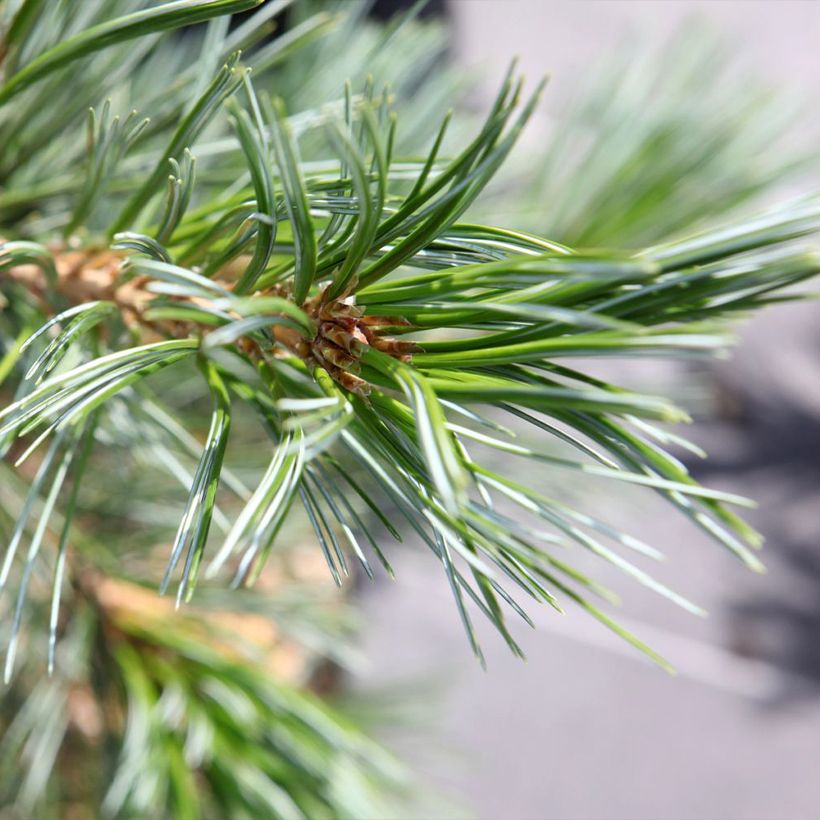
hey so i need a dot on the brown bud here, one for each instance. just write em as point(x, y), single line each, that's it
point(394, 347)
point(302, 349)
point(339, 310)
point(385, 321)
point(353, 383)
point(346, 339)
point(333, 354)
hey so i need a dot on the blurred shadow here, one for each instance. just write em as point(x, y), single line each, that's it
point(780, 446)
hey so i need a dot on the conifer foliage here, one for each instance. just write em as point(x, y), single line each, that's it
point(328, 296)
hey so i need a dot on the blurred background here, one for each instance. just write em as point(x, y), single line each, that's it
point(587, 728)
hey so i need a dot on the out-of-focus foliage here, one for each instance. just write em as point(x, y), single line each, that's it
point(201, 713)
point(656, 140)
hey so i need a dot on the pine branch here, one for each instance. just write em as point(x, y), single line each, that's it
point(323, 343)
point(329, 300)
